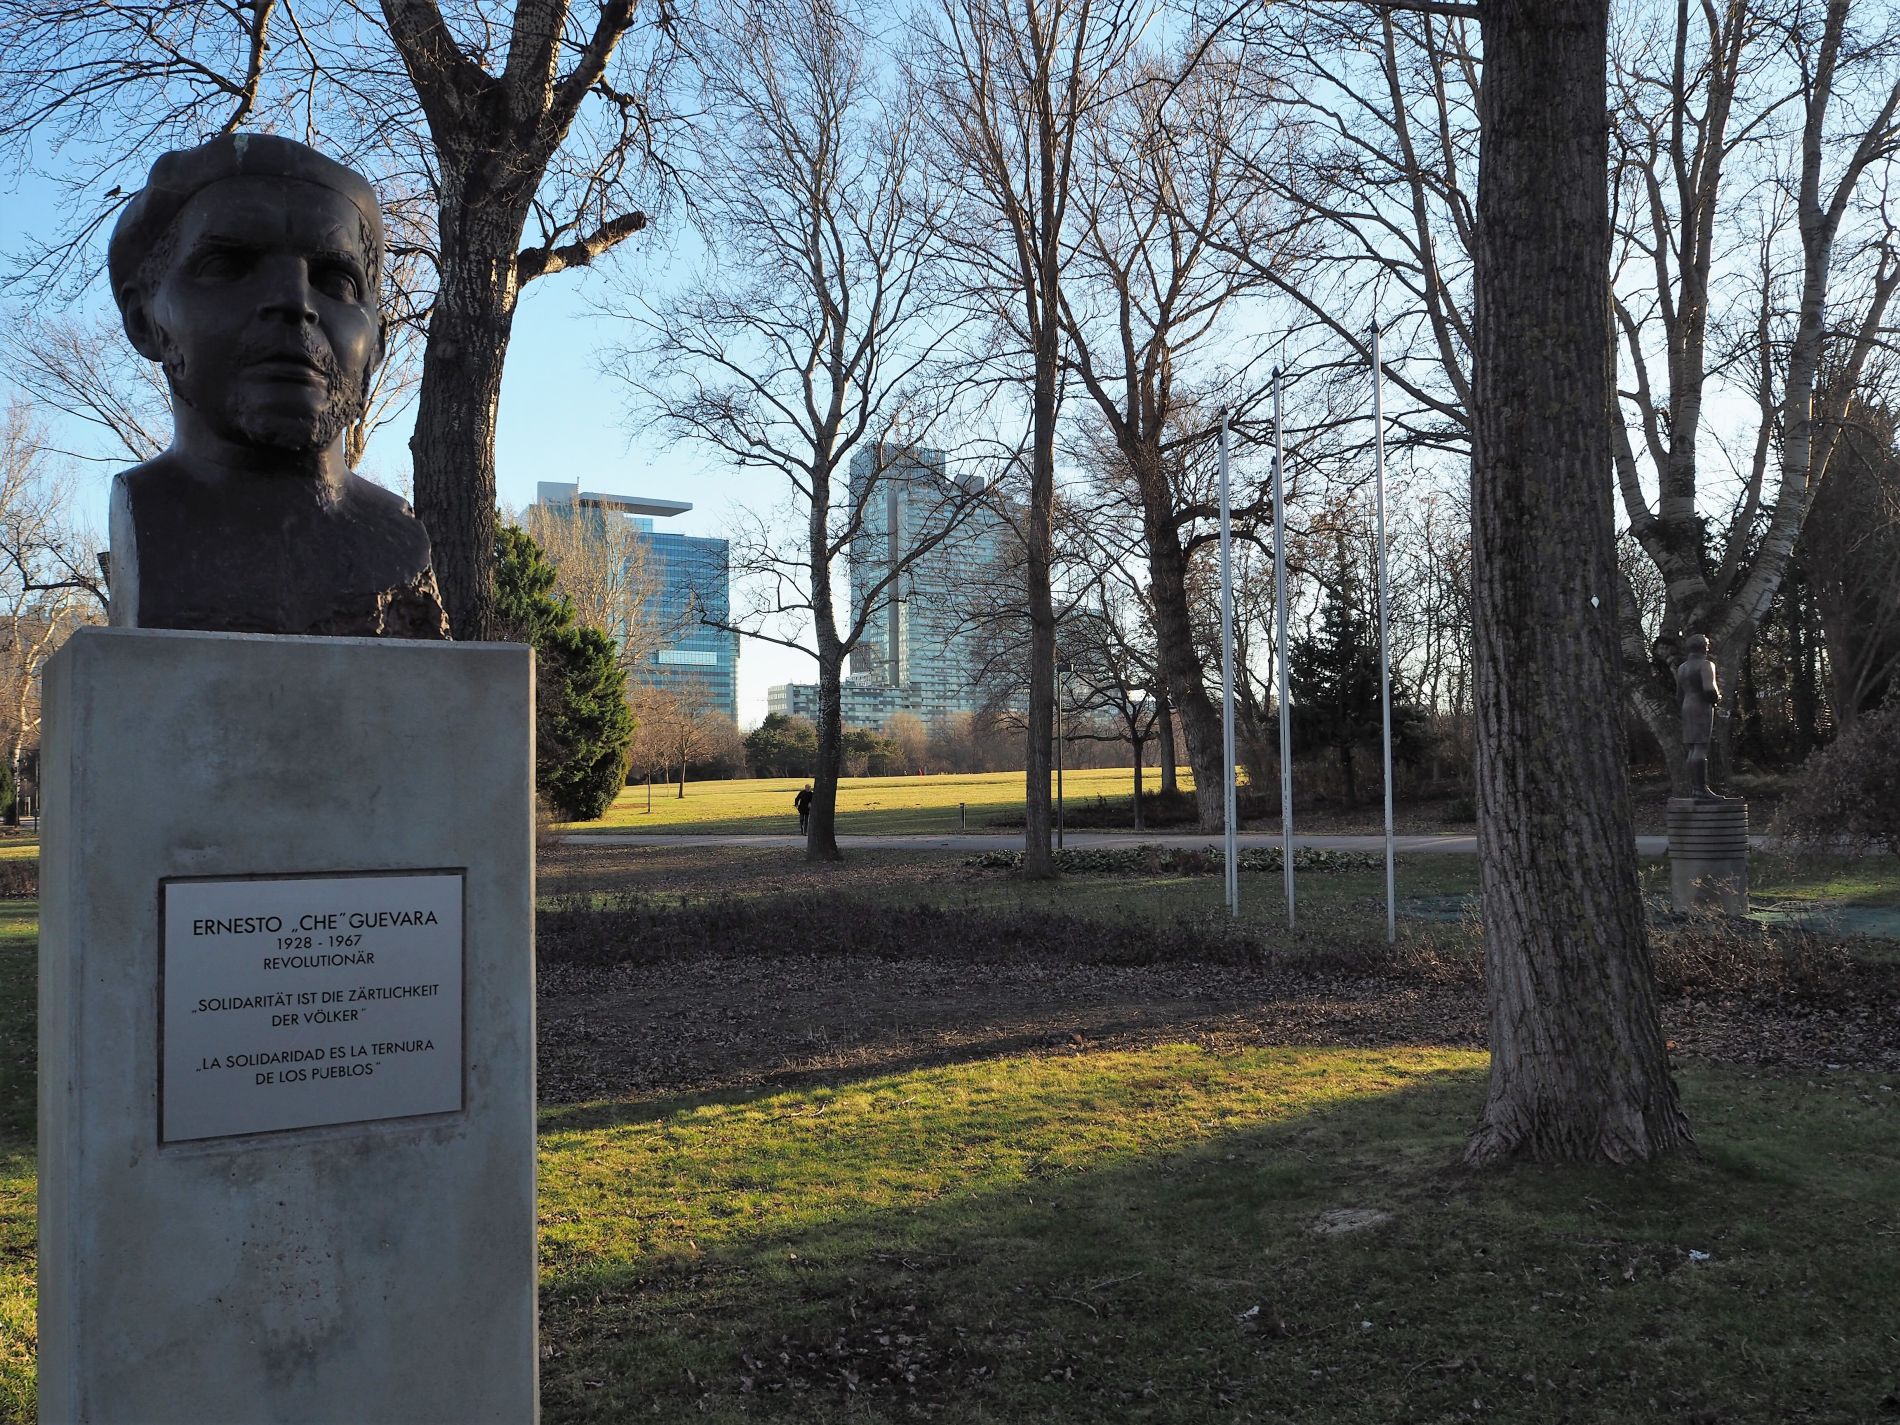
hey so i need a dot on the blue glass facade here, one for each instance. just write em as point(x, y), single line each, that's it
point(694, 576)
point(920, 638)
point(693, 579)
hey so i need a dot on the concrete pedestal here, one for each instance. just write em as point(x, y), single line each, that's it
point(286, 1032)
point(1708, 855)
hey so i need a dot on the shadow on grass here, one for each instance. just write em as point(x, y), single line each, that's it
point(806, 1034)
point(838, 1256)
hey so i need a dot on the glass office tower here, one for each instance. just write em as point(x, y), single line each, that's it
point(693, 575)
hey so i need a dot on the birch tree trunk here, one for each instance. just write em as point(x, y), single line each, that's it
point(1578, 1069)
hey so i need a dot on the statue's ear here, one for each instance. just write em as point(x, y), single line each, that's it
point(136, 314)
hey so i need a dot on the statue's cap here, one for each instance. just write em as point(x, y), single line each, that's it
point(178, 175)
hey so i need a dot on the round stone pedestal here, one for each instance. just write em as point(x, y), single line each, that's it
point(1708, 855)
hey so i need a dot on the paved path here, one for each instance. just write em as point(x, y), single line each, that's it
point(1432, 843)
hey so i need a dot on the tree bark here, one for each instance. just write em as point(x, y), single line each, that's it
point(1186, 680)
point(821, 832)
point(494, 136)
point(1164, 745)
point(453, 446)
point(1578, 1069)
point(1137, 743)
point(1038, 822)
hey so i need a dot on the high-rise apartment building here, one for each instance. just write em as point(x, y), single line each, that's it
point(862, 701)
point(693, 578)
point(921, 638)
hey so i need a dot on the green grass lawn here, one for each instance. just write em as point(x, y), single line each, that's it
point(19, 927)
point(1137, 1236)
point(867, 806)
point(1151, 1235)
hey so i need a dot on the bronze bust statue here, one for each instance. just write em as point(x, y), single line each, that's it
point(248, 268)
point(1701, 695)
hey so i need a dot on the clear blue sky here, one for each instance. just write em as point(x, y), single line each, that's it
point(562, 418)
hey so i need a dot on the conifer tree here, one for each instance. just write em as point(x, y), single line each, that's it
point(583, 727)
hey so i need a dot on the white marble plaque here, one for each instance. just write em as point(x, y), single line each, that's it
point(309, 1000)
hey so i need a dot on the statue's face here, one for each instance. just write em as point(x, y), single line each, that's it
point(264, 316)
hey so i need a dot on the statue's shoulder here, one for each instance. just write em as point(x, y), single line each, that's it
point(162, 474)
point(387, 518)
point(376, 501)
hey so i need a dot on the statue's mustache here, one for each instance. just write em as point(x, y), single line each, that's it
point(305, 346)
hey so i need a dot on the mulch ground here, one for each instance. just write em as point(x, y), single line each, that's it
point(705, 1025)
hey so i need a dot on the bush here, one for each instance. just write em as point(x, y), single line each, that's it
point(782, 746)
point(583, 728)
point(1848, 797)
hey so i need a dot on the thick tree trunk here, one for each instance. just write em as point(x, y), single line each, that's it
point(453, 446)
point(821, 833)
point(1038, 820)
point(1578, 1069)
point(1181, 668)
point(1164, 744)
point(1137, 743)
point(821, 826)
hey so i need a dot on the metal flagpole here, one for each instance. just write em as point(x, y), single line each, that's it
point(1279, 607)
point(1232, 844)
point(1385, 667)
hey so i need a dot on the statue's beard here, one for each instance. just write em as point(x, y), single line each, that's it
point(233, 413)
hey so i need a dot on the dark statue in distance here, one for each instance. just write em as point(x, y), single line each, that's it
point(1701, 694)
point(248, 267)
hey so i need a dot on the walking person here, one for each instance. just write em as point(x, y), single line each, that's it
point(803, 802)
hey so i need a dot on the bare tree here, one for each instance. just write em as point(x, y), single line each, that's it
point(649, 751)
point(1379, 105)
point(1011, 83)
point(1850, 556)
point(478, 122)
point(1750, 255)
point(1114, 667)
point(798, 348)
point(1148, 298)
point(601, 564)
point(1750, 262)
point(911, 740)
point(49, 584)
point(684, 727)
point(1578, 1070)
point(86, 369)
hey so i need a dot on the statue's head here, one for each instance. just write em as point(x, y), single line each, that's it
point(1697, 644)
point(249, 268)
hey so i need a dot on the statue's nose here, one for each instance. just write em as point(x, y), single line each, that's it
point(287, 294)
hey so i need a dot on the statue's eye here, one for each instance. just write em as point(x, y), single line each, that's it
point(218, 265)
point(333, 279)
